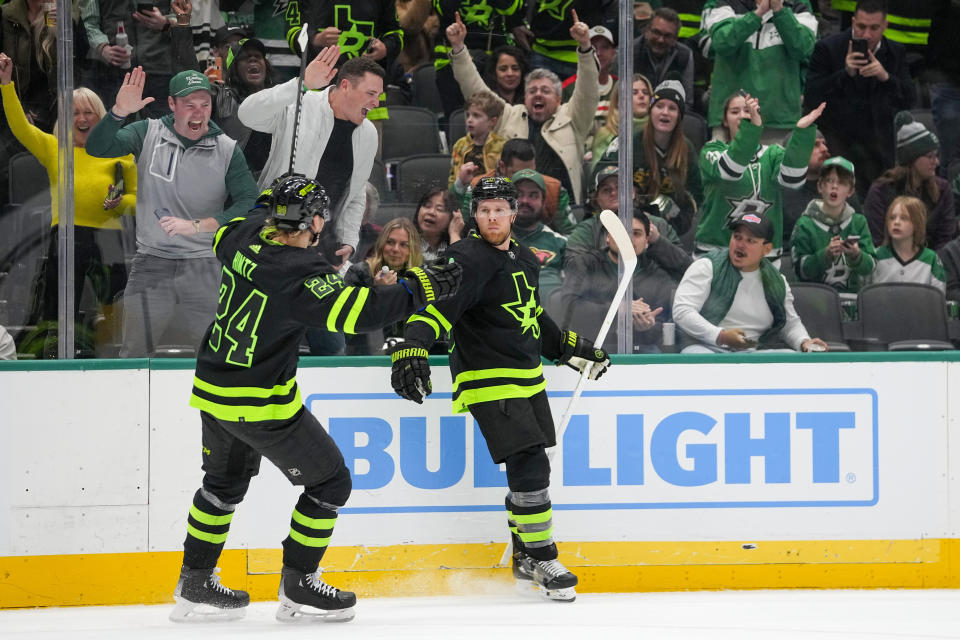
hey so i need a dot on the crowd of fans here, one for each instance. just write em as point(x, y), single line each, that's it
point(774, 142)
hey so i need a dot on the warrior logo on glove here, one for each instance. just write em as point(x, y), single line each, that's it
point(411, 371)
point(580, 353)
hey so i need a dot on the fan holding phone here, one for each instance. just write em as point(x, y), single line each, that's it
point(831, 242)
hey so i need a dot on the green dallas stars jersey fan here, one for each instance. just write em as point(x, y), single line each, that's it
point(269, 294)
point(744, 176)
point(498, 328)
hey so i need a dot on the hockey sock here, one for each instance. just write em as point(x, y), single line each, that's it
point(310, 529)
point(512, 524)
point(207, 526)
point(533, 515)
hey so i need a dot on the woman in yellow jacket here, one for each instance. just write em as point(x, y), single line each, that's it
point(98, 202)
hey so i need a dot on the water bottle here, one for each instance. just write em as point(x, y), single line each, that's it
point(122, 40)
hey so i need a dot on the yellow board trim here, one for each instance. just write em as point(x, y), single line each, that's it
point(603, 567)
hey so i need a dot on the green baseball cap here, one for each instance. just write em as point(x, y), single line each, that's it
point(839, 162)
point(532, 176)
point(186, 82)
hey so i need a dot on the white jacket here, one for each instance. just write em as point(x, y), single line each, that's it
point(272, 111)
point(565, 131)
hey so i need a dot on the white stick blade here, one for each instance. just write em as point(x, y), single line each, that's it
point(303, 38)
point(611, 222)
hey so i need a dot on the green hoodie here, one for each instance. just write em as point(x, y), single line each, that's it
point(813, 233)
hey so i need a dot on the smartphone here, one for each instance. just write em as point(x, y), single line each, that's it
point(145, 7)
point(859, 46)
point(851, 240)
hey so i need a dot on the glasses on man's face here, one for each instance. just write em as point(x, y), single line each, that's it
point(832, 182)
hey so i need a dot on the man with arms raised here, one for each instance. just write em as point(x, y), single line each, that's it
point(186, 169)
point(336, 143)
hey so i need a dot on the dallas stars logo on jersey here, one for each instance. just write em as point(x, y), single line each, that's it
point(743, 206)
point(353, 33)
point(555, 8)
point(524, 309)
point(478, 13)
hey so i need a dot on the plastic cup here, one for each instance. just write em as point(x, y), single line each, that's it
point(669, 334)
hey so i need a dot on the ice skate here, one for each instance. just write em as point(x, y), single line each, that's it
point(305, 597)
point(549, 577)
point(201, 598)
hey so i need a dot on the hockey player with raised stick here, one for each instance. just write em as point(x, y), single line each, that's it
point(272, 289)
point(499, 332)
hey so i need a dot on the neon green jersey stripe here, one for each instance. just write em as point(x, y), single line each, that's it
point(432, 310)
point(909, 22)
point(351, 324)
point(472, 396)
point(308, 541)
point(206, 518)
point(537, 536)
point(533, 518)
point(486, 374)
point(216, 237)
point(212, 538)
point(557, 54)
point(907, 37)
point(313, 523)
point(429, 321)
point(234, 413)
point(337, 307)
point(245, 392)
point(555, 43)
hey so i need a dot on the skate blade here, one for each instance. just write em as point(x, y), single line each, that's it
point(569, 594)
point(529, 588)
point(302, 614)
point(186, 611)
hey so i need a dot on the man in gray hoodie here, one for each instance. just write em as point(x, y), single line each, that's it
point(186, 169)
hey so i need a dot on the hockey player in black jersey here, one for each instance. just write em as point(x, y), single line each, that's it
point(245, 387)
point(499, 331)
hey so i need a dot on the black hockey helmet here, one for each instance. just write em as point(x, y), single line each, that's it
point(496, 188)
point(293, 199)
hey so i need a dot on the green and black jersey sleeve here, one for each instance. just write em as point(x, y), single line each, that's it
point(269, 294)
point(497, 324)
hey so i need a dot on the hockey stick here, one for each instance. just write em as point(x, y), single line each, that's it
point(302, 39)
point(622, 239)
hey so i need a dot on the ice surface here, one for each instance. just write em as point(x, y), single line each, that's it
point(744, 615)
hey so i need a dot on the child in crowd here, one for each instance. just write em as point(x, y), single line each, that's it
point(903, 256)
point(478, 152)
point(831, 242)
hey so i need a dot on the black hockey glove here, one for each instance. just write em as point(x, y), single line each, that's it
point(411, 371)
point(580, 353)
point(430, 283)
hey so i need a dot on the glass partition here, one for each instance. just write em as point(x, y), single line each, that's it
point(150, 187)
